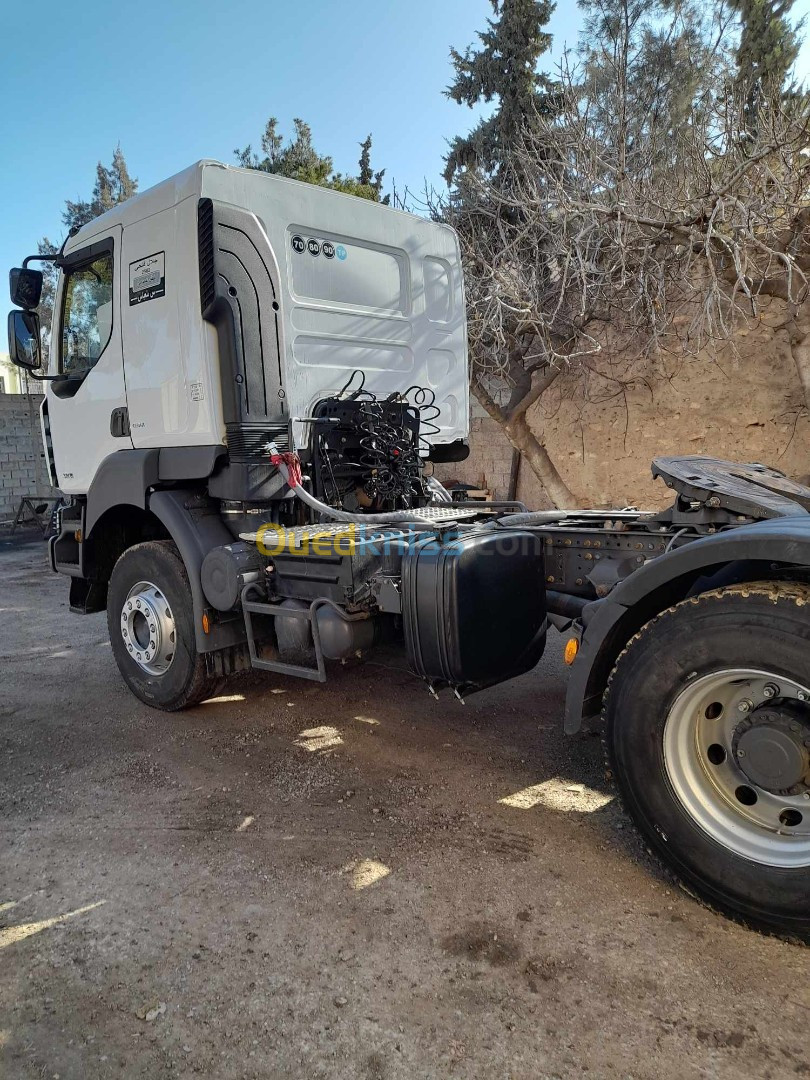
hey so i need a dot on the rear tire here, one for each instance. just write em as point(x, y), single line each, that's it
point(150, 619)
point(708, 737)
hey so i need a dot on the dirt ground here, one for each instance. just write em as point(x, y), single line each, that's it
point(298, 880)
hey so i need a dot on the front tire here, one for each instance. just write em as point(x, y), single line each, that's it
point(708, 737)
point(151, 624)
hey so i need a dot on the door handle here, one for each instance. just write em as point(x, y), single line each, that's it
point(119, 423)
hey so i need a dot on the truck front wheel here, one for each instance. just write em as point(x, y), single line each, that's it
point(151, 624)
point(708, 735)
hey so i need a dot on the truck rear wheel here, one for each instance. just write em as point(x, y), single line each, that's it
point(151, 624)
point(708, 736)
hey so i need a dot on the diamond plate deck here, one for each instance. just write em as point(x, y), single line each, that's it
point(428, 515)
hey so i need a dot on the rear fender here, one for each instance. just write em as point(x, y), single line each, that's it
point(747, 553)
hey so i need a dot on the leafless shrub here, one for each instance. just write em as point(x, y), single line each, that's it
point(604, 223)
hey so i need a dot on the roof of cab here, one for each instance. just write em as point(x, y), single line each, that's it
point(189, 183)
point(145, 203)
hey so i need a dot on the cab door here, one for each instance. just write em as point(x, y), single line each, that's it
point(87, 404)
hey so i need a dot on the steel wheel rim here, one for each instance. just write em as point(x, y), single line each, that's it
point(148, 629)
point(773, 830)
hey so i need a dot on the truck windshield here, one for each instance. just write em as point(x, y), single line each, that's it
point(86, 315)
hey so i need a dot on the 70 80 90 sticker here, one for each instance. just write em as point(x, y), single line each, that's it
point(317, 247)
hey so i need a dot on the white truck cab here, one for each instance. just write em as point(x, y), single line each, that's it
point(319, 283)
point(211, 336)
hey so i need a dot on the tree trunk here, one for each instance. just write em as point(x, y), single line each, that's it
point(516, 428)
point(800, 347)
point(523, 438)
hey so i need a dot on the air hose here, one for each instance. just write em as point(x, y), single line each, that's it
point(289, 465)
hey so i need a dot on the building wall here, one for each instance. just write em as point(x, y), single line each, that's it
point(11, 378)
point(23, 470)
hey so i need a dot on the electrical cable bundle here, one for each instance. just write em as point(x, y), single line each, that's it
point(372, 447)
point(389, 456)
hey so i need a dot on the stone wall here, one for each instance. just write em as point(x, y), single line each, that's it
point(23, 470)
point(743, 404)
point(490, 462)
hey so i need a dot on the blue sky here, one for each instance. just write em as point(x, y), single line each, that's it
point(175, 81)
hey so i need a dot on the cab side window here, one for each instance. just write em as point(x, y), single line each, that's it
point(86, 315)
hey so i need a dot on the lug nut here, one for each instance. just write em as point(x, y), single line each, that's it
point(745, 706)
point(803, 695)
point(770, 691)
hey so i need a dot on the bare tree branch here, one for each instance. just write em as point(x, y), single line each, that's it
point(639, 213)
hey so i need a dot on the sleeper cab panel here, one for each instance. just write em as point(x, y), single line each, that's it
point(474, 607)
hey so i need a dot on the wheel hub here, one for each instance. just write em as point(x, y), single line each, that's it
point(147, 628)
point(737, 754)
point(772, 748)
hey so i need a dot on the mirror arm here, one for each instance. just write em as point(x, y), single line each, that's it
point(55, 258)
point(40, 258)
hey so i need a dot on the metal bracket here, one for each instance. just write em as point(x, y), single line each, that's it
point(28, 505)
point(301, 671)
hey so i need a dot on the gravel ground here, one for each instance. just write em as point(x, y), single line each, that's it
point(350, 880)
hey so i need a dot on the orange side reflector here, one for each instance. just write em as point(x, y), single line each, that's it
point(571, 650)
point(206, 623)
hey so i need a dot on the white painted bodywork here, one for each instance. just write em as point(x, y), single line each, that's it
point(390, 302)
point(80, 426)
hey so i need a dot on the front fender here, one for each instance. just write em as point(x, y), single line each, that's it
point(667, 580)
point(194, 524)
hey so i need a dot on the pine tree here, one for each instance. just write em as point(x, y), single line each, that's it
point(299, 160)
point(503, 68)
point(367, 177)
point(766, 52)
point(485, 173)
point(645, 65)
point(113, 185)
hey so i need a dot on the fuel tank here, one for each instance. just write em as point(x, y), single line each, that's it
point(473, 607)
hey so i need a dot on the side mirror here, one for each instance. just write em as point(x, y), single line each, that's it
point(24, 345)
point(25, 286)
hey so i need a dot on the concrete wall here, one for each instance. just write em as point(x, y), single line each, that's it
point(22, 457)
point(743, 404)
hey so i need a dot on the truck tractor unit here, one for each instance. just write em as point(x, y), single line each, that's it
point(249, 382)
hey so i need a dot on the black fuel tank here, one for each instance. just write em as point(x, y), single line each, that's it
point(473, 607)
